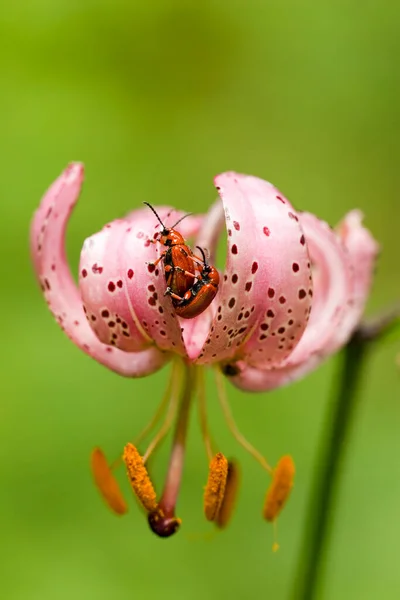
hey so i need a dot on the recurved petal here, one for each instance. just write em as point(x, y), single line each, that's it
point(362, 250)
point(342, 269)
point(123, 289)
point(266, 290)
point(253, 379)
point(62, 295)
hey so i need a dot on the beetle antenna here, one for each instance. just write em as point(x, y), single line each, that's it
point(203, 255)
point(181, 219)
point(154, 211)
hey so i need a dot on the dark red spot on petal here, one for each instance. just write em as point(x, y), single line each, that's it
point(119, 283)
point(231, 302)
point(234, 249)
point(281, 330)
point(96, 269)
point(111, 324)
point(302, 294)
point(84, 273)
point(293, 216)
point(150, 268)
point(130, 273)
point(295, 267)
point(236, 225)
point(282, 299)
point(302, 240)
point(111, 286)
point(271, 292)
point(234, 278)
point(254, 267)
point(264, 326)
point(266, 231)
point(151, 301)
point(151, 288)
point(248, 286)
point(270, 313)
point(105, 314)
point(281, 199)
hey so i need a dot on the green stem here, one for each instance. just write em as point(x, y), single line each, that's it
point(332, 453)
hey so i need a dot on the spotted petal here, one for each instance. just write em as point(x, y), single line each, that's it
point(129, 290)
point(62, 295)
point(266, 292)
point(343, 265)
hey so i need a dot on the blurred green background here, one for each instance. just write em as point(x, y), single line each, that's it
point(155, 98)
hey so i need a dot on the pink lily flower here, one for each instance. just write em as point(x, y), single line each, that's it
point(292, 293)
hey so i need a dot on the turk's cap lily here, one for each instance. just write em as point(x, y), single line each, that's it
point(292, 292)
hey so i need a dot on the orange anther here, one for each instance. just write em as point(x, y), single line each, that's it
point(230, 496)
point(215, 489)
point(279, 490)
point(106, 482)
point(139, 478)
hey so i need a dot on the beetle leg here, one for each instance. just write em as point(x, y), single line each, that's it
point(184, 272)
point(169, 292)
point(158, 260)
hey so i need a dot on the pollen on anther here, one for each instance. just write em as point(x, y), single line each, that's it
point(106, 483)
point(280, 488)
point(215, 489)
point(139, 478)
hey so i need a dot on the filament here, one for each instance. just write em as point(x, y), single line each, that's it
point(175, 384)
point(223, 400)
point(203, 413)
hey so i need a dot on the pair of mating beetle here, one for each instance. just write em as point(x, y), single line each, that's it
point(191, 292)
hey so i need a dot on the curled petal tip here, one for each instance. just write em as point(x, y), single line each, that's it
point(74, 171)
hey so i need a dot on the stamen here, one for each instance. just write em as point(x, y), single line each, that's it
point(203, 413)
point(106, 483)
point(223, 400)
point(279, 490)
point(174, 388)
point(214, 492)
point(229, 500)
point(139, 478)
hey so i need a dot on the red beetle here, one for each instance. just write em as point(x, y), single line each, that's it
point(179, 262)
point(200, 295)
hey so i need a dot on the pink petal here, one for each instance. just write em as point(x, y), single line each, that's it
point(129, 290)
point(332, 277)
point(252, 379)
point(48, 254)
point(343, 268)
point(267, 287)
point(362, 250)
